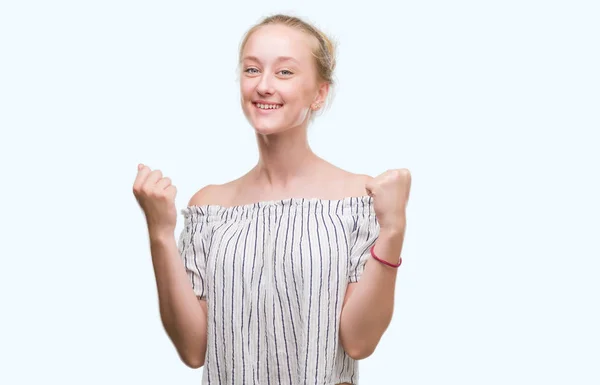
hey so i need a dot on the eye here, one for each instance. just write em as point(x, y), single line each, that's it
point(251, 70)
point(286, 72)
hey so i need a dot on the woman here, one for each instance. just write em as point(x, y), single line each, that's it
point(269, 282)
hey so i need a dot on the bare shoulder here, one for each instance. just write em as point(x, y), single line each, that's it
point(202, 196)
point(351, 183)
point(212, 194)
point(359, 182)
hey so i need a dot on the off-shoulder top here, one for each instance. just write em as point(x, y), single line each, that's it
point(274, 275)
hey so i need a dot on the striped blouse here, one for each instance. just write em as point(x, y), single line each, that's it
point(274, 275)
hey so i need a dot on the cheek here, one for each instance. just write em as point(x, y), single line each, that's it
point(246, 89)
point(295, 93)
point(248, 85)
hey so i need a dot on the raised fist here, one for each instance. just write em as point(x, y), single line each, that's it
point(156, 196)
point(390, 192)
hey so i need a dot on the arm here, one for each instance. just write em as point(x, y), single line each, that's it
point(369, 303)
point(183, 315)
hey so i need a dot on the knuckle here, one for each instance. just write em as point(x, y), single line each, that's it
point(393, 174)
point(400, 173)
point(405, 173)
point(154, 193)
point(160, 194)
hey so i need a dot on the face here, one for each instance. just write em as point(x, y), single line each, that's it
point(279, 82)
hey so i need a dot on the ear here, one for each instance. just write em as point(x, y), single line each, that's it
point(322, 93)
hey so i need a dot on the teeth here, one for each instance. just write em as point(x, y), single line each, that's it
point(268, 106)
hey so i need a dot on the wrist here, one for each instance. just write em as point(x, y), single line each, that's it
point(160, 237)
point(391, 236)
point(391, 231)
point(388, 246)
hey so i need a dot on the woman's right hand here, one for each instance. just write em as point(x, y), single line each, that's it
point(156, 196)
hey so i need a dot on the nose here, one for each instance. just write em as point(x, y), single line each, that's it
point(265, 85)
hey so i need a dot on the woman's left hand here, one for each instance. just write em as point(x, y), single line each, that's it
point(390, 192)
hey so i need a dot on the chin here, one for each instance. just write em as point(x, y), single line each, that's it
point(267, 129)
point(267, 126)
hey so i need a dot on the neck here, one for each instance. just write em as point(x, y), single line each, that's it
point(284, 159)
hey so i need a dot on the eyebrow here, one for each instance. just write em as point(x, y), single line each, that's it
point(279, 59)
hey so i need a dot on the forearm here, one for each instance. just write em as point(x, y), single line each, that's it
point(368, 309)
point(182, 315)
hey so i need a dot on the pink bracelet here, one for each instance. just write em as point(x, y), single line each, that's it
point(385, 262)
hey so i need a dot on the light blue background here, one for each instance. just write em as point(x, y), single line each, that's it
point(492, 105)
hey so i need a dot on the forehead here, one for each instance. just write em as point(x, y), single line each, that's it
point(271, 41)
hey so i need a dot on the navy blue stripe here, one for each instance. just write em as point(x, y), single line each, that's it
point(258, 322)
point(215, 298)
point(214, 230)
point(319, 293)
point(224, 264)
point(252, 275)
point(337, 275)
point(200, 273)
point(328, 291)
point(184, 250)
point(344, 366)
point(287, 355)
point(286, 283)
point(194, 227)
point(265, 303)
point(271, 253)
point(258, 299)
point(309, 292)
point(243, 300)
point(292, 259)
point(202, 277)
point(233, 306)
point(347, 251)
point(300, 248)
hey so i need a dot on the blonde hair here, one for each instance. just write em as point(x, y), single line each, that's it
point(324, 54)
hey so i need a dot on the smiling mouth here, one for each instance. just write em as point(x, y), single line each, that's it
point(267, 107)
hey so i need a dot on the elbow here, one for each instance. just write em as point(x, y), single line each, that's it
point(191, 351)
point(360, 352)
point(192, 358)
point(358, 349)
point(193, 362)
point(360, 343)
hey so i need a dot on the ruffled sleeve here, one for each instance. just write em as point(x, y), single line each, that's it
point(364, 234)
point(193, 248)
